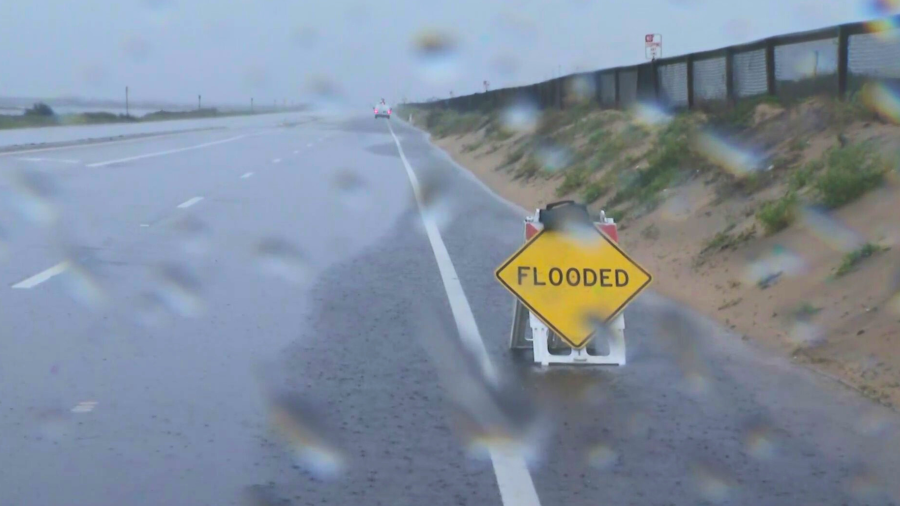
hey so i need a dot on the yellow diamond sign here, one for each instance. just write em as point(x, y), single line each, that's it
point(571, 281)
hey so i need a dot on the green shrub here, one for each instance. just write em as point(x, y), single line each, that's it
point(851, 172)
point(776, 215)
point(529, 168)
point(804, 175)
point(574, 179)
point(594, 191)
point(852, 259)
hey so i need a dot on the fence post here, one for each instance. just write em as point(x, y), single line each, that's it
point(729, 76)
point(843, 61)
point(655, 69)
point(559, 92)
point(618, 92)
point(690, 80)
point(770, 67)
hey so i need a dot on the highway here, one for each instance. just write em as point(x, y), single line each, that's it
point(164, 299)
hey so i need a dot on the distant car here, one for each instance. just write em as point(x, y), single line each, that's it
point(382, 111)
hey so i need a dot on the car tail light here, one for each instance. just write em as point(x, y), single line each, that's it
point(389, 111)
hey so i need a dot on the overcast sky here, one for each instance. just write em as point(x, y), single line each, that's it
point(230, 50)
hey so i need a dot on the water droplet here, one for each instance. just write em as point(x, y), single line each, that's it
point(521, 115)
point(435, 53)
point(179, 290)
point(768, 268)
point(325, 93)
point(303, 430)
point(739, 162)
point(581, 87)
point(489, 414)
point(281, 259)
point(713, 484)
point(602, 456)
point(32, 197)
point(553, 157)
point(830, 230)
point(436, 204)
point(53, 423)
point(648, 113)
point(193, 233)
point(150, 309)
point(351, 189)
point(875, 423)
point(82, 280)
point(759, 439)
point(864, 484)
point(259, 495)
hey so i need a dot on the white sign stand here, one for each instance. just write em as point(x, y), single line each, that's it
point(541, 336)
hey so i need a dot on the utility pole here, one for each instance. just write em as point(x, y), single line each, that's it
point(199, 102)
point(251, 104)
point(126, 101)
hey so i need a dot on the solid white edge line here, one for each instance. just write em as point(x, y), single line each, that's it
point(513, 479)
point(42, 276)
point(189, 202)
point(167, 152)
point(246, 175)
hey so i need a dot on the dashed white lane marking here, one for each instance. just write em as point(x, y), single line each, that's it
point(167, 152)
point(277, 160)
point(513, 478)
point(189, 202)
point(84, 407)
point(42, 276)
point(309, 145)
point(145, 225)
point(295, 152)
point(56, 160)
point(245, 176)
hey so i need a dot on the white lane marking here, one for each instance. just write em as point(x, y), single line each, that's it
point(277, 160)
point(84, 407)
point(295, 152)
point(309, 145)
point(245, 176)
point(513, 479)
point(42, 276)
point(57, 160)
point(167, 152)
point(145, 225)
point(189, 203)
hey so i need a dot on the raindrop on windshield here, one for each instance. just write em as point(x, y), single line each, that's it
point(304, 433)
point(179, 290)
point(521, 115)
point(33, 196)
point(712, 482)
point(81, 278)
point(351, 189)
point(193, 234)
point(435, 54)
point(281, 259)
point(553, 157)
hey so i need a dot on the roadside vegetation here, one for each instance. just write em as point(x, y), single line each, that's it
point(715, 199)
point(42, 115)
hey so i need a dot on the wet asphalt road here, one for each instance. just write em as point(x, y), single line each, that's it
point(164, 296)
